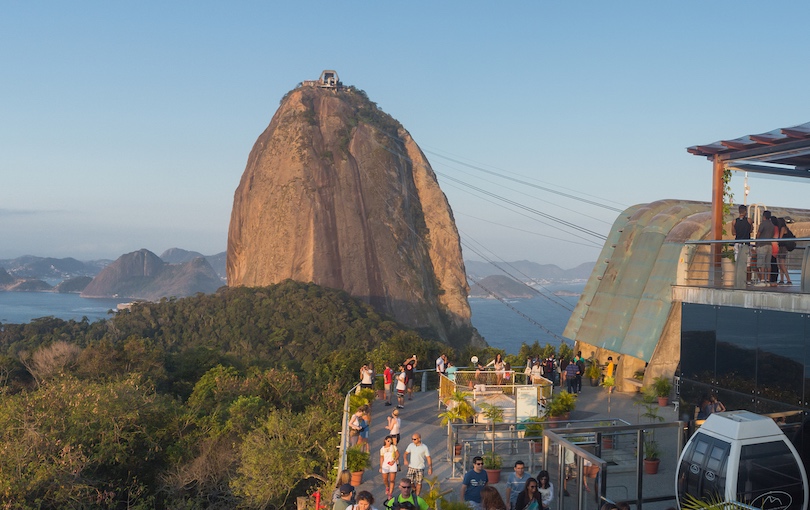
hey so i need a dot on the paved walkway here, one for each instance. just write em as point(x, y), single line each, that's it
point(594, 403)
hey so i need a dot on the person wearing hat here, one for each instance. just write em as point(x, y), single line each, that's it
point(346, 497)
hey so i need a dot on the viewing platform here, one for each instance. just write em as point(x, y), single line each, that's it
point(610, 418)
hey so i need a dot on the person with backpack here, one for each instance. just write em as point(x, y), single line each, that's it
point(406, 500)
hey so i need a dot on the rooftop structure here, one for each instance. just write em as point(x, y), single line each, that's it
point(329, 80)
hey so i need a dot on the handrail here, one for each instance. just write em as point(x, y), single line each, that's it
point(344, 429)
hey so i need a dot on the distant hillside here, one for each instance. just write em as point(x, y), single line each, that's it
point(144, 275)
point(530, 271)
point(502, 286)
point(179, 256)
point(73, 285)
point(29, 266)
point(28, 285)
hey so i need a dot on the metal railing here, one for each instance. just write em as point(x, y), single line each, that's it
point(737, 268)
point(557, 441)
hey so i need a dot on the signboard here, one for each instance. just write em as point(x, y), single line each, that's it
point(525, 402)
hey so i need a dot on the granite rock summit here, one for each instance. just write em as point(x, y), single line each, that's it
point(336, 192)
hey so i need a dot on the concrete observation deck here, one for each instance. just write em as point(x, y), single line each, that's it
point(594, 406)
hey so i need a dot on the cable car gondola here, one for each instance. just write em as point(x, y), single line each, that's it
point(744, 457)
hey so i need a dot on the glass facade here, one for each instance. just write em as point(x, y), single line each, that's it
point(752, 359)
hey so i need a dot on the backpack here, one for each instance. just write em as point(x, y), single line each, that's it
point(788, 245)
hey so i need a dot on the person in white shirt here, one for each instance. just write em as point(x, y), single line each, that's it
point(417, 457)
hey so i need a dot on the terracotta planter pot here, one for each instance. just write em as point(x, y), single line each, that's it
point(651, 466)
point(494, 475)
point(457, 450)
point(538, 447)
point(663, 401)
point(594, 382)
point(357, 478)
point(607, 442)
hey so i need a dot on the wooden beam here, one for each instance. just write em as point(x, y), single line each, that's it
point(717, 215)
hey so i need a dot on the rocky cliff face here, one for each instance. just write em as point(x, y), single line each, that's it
point(143, 275)
point(337, 192)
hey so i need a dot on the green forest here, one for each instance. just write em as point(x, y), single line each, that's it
point(226, 400)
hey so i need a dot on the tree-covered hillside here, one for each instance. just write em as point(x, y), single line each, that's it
point(186, 403)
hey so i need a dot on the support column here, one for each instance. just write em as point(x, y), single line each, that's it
point(717, 218)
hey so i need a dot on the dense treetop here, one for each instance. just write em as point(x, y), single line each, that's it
point(181, 403)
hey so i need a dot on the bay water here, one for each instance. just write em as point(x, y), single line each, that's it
point(498, 322)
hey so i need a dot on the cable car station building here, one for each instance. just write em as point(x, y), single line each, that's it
point(668, 298)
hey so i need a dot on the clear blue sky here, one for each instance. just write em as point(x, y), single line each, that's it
point(127, 125)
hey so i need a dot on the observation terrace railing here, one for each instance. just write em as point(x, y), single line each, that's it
point(737, 268)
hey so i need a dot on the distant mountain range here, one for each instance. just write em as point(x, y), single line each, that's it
point(529, 271)
point(486, 279)
point(178, 272)
point(140, 274)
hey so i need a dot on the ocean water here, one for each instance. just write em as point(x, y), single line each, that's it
point(504, 328)
point(500, 325)
point(22, 307)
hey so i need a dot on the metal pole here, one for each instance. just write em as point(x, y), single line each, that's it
point(639, 467)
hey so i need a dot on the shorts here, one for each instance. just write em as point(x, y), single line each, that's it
point(570, 471)
point(409, 384)
point(400, 393)
point(389, 469)
point(416, 475)
point(366, 386)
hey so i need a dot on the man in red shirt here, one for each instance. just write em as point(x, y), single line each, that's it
point(388, 379)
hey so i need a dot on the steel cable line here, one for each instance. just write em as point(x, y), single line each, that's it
point(555, 335)
point(560, 221)
point(526, 183)
point(527, 208)
point(591, 243)
point(588, 245)
point(603, 199)
point(535, 198)
point(516, 279)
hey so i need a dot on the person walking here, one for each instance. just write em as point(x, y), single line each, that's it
point(394, 425)
point(545, 489)
point(515, 484)
point(401, 387)
point(388, 381)
point(491, 499)
point(389, 455)
point(417, 458)
point(529, 498)
point(474, 480)
point(406, 495)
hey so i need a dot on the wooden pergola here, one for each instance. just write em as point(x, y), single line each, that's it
point(784, 151)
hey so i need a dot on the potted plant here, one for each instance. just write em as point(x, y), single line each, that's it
point(594, 372)
point(662, 388)
point(607, 438)
point(492, 465)
point(648, 402)
point(356, 462)
point(652, 454)
point(561, 405)
point(493, 414)
point(533, 429)
point(458, 409)
point(609, 382)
